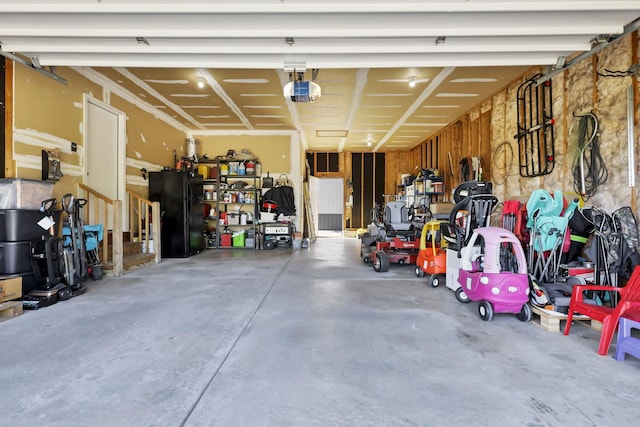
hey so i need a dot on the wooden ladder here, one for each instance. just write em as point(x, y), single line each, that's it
point(307, 212)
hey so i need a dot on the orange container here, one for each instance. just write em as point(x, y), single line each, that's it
point(225, 239)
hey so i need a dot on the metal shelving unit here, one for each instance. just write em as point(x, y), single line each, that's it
point(232, 197)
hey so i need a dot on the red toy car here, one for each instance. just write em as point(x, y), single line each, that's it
point(432, 260)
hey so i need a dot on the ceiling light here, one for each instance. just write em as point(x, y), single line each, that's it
point(339, 133)
point(200, 82)
point(368, 143)
point(412, 81)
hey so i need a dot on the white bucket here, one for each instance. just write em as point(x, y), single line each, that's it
point(267, 217)
point(192, 149)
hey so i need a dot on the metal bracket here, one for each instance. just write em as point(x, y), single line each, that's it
point(30, 64)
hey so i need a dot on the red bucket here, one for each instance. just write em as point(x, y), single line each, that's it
point(269, 205)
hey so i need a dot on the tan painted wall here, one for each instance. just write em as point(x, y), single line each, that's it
point(151, 143)
point(49, 115)
point(273, 152)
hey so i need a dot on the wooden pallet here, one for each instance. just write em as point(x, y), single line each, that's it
point(10, 309)
point(550, 320)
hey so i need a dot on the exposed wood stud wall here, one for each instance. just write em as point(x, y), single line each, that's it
point(636, 96)
point(579, 90)
point(9, 162)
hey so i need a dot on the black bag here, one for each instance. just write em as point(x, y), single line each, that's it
point(267, 181)
point(283, 196)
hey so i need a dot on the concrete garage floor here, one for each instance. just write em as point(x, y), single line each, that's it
point(298, 338)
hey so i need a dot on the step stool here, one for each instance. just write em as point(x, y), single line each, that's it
point(627, 343)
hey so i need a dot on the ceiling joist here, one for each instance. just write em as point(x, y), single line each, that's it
point(455, 52)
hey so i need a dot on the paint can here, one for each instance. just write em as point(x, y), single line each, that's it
point(250, 167)
point(204, 171)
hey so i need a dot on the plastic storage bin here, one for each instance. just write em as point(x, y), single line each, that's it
point(225, 239)
point(239, 239)
point(233, 218)
point(18, 193)
point(22, 224)
point(15, 257)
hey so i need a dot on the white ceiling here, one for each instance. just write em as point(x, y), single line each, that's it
point(460, 51)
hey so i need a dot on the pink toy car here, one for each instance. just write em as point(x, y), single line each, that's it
point(493, 271)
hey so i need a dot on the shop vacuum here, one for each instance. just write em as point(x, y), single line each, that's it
point(45, 262)
point(55, 263)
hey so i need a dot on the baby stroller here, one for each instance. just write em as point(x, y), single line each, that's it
point(493, 271)
point(613, 251)
point(93, 235)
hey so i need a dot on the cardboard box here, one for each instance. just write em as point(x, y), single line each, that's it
point(10, 288)
point(441, 208)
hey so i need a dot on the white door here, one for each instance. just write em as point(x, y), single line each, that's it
point(330, 205)
point(104, 145)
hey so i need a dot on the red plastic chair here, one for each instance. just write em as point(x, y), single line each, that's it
point(628, 306)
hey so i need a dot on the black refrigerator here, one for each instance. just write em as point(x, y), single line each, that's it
point(182, 221)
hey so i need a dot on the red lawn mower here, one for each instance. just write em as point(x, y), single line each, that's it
point(397, 250)
point(396, 242)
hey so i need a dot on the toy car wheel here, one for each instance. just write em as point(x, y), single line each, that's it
point(486, 311)
point(401, 261)
point(381, 262)
point(434, 281)
point(461, 296)
point(525, 313)
point(64, 294)
point(419, 271)
point(366, 259)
